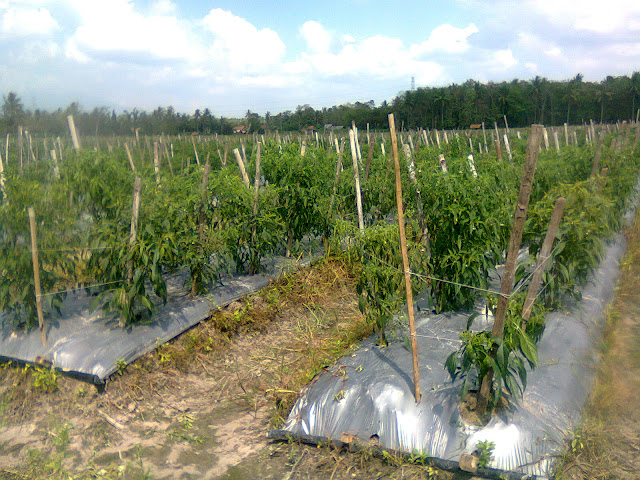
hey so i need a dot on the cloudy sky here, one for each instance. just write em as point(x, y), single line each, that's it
point(269, 55)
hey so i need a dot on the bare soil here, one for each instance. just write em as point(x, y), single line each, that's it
point(196, 406)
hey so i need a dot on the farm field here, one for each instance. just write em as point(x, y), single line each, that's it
point(199, 406)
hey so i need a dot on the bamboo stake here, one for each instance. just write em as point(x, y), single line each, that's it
point(498, 149)
point(3, 191)
point(54, 159)
point(135, 210)
point(545, 134)
point(356, 177)
point(59, 142)
point(405, 261)
point(243, 171)
point(443, 163)
point(367, 166)
point(195, 150)
point(556, 141)
point(472, 165)
point(74, 133)
point(20, 141)
point(508, 148)
point(166, 153)
point(543, 256)
point(156, 162)
point(595, 165)
point(36, 273)
point(131, 164)
point(484, 136)
point(256, 182)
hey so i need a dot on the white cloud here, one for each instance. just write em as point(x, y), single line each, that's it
point(239, 45)
point(504, 59)
point(318, 40)
point(163, 7)
point(23, 22)
point(114, 30)
point(447, 38)
point(591, 15)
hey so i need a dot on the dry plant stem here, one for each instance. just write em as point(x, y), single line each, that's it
point(515, 240)
point(405, 260)
point(36, 273)
point(543, 256)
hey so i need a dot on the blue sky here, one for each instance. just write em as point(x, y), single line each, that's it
point(273, 56)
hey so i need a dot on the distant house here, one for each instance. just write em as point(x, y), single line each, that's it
point(329, 126)
point(475, 126)
point(310, 129)
point(241, 129)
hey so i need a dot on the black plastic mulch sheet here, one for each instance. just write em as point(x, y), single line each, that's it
point(91, 344)
point(371, 392)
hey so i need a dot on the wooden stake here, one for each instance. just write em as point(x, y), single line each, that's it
point(3, 191)
point(243, 171)
point(443, 163)
point(156, 162)
point(135, 210)
point(508, 148)
point(74, 133)
point(20, 142)
point(356, 177)
point(131, 164)
point(595, 165)
point(515, 240)
point(498, 149)
point(335, 181)
point(54, 159)
point(195, 150)
point(36, 273)
point(543, 256)
point(405, 261)
point(484, 135)
point(556, 141)
point(367, 166)
point(472, 165)
point(256, 182)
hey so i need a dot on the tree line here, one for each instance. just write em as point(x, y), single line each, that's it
point(523, 102)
